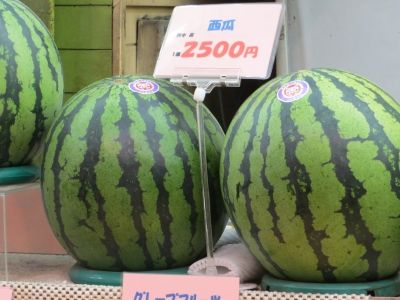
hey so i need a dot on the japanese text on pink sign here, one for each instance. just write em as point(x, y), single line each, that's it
point(179, 287)
point(171, 296)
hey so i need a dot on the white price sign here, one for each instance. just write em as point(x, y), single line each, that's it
point(221, 40)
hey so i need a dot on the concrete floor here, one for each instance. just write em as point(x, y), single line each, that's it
point(36, 267)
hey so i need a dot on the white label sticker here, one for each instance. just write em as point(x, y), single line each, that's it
point(293, 91)
point(144, 86)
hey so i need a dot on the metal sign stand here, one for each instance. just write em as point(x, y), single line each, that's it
point(204, 86)
point(221, 36)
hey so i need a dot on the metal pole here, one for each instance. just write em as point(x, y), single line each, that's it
point(199, 97)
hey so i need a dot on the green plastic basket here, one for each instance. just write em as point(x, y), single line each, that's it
point(79, 274)
point(389, 287)
point(20, 174)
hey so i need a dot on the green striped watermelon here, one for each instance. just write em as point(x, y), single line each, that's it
point(31, 83)
point(121, 176)
point(310, 177)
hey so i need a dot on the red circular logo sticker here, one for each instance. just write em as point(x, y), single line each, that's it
point(144, 86)
point(293, 90)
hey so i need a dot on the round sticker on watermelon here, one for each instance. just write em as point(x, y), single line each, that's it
point(293, 91)
point(144, 86)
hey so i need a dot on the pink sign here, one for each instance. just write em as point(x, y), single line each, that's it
point(221, 40)
point(6, 293)
point(179, 287)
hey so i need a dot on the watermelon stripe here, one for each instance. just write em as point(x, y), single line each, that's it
point(264, 144)
point(300, 186)
point(209, 130)
point(56, 169)
point(154, 190)
point(188, 190)
point(183, 125)
point(378, 133)
point(208, 118)
point(50, 207)
point(385, 110)
point(187, 184)
point(83, 94)
point(129, 180)
point(11, 92)
point(317, 176)
point(182, 114)
point(225, 159)
point(244, 189)
point(30, 95)
point(54, 74)
point(70, 109)
point(186, 112)
point(159, 172)
point(384, 102)
point(88, 176)
point(148, 188)
point(38, 24)
point(39, 120)
point(83, 175)
point(191, 106)
point(351, 208)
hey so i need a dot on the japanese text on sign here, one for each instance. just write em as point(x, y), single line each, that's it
point(171, 296)
point(224, 39)
point(221, 25)
point(203, 49)
point(178, 287)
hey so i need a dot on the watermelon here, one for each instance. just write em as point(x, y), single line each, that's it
point(31, 83)
point(310, 177)
point(121, 176)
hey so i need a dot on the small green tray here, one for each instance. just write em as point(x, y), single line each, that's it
point(79, 274)
point(20, 174)
point(389, 287)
